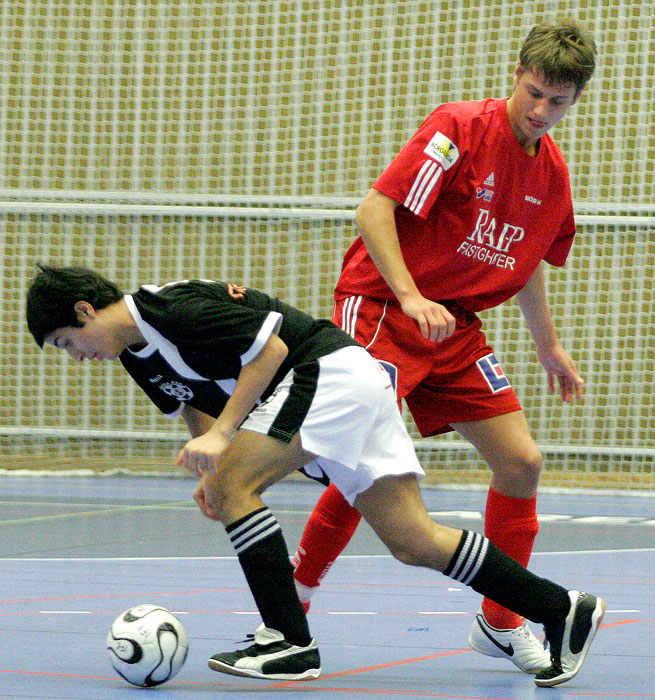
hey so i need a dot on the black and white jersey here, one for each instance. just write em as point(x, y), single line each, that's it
point(199, 334)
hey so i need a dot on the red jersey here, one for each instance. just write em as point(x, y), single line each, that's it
point(477, 213)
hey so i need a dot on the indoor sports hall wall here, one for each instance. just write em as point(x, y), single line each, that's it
point(166, 139)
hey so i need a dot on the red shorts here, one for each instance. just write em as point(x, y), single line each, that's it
point(454, 381)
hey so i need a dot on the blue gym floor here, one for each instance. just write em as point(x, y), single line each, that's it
point(75, 552)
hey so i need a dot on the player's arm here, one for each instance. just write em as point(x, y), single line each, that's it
point(196, 421)
point(201, 453)
point(377, 226)
point(557, 362)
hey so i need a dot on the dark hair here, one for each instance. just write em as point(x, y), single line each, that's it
point(53, 293)
point(564, 51)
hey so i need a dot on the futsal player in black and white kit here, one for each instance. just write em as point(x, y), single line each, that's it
point(265, 390)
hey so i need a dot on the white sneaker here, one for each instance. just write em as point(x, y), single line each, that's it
point(518, 645)
point(270, 657)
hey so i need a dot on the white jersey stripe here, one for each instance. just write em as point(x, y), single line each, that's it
point(423, 189)
point(427, 191)
point(426, 166)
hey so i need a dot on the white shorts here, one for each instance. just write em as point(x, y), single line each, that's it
point(345, 408)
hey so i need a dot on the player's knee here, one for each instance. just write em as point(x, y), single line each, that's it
point(404, 555)
point(225, 494)
point(530, 464)
point(524, 467)
point(408, 551)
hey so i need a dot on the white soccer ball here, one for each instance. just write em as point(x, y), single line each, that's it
point(147, 645)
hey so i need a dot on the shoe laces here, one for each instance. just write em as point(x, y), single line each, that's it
point(526, 632)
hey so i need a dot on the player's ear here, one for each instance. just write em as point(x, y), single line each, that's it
point(84, 311)
point(578, 94)
point(518, 71)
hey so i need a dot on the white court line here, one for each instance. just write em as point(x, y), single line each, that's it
point(427, 612)
point(69, 560)
point(345, 612)
point(65, 612)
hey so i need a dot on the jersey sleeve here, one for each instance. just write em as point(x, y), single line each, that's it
point(168, 405)
point(559, 250)
point(202, 321)
point(228, 330)
point(425, 165)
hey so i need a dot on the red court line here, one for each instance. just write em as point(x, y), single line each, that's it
point(618, 623)
point(365, 669)
point(392, 664)
point(55, 675)
point(417, 659)
point(612, 695)
point(408, 693)
point(288, 684)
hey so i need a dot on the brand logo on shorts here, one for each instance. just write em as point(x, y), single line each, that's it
point(493, 373)
point(392, 371)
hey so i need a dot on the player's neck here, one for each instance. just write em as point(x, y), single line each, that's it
point(124, 325)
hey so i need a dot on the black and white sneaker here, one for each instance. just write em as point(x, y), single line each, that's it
point(571, 638)
point(517, 645)
point(270, 657)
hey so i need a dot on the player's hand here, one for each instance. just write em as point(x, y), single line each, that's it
point(200, 497)
point(201, 454)
point(434, 320)
point(562, 373)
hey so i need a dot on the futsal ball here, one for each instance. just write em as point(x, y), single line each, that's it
point(147, 645)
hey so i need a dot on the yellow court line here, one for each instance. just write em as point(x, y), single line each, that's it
point(119, 509)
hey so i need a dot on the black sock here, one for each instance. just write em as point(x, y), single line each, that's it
point(258, 541)
point(482, 566)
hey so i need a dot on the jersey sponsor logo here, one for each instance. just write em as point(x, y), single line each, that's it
point(483, 193)
point(532, 200)
point(490, 181)
point(490, 242)
point(493, 373)
point(443, 150)
point(179, 391)
point(486, 233)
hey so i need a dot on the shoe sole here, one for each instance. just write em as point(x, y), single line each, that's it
point(596, 619)
point(308, 675)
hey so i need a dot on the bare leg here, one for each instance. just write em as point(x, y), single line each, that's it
point(511, 510)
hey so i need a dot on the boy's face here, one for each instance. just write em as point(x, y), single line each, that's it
point(93, 341)
point(537, 105)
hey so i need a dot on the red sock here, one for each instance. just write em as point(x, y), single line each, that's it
point(329, 529)
point(511, 524)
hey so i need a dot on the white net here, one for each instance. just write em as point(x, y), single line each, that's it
point(161, 140)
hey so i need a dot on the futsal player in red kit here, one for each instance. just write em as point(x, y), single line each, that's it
point(459, 222)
